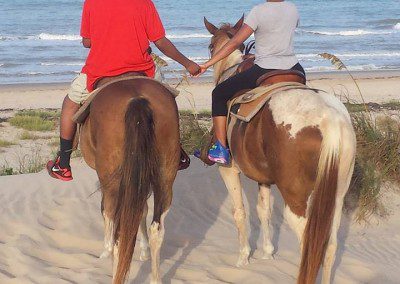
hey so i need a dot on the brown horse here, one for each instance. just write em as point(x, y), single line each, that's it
point(303, 141)
point(131, 138)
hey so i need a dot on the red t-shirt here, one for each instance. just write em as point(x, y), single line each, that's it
point(120, 32)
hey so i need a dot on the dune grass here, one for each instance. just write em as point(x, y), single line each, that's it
point(5, 143)
point(193, 129)
point(26, 135)
point(35, 120)
point(6, 171)
point(377, 162)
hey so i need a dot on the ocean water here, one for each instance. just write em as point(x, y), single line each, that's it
point(39, 40)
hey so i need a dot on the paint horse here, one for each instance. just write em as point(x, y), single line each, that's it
point(131, 138)
point(302, 140)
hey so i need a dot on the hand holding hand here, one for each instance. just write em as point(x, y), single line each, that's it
point(193, 68)
point(203, 68)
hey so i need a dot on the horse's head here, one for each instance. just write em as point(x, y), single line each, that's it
point(220, 36)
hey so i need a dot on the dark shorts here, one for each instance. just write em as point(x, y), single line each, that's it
point(246, 80)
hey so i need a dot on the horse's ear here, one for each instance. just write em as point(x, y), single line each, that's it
point(239, 24)
point(210, 27)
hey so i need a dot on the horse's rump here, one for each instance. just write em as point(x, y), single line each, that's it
point(132, 138)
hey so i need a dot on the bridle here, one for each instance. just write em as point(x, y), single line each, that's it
point(241, 48)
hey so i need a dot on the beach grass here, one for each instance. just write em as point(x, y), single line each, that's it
point(5, 143)
point(193, 129)
point(6, 171)
point(27, 135)
point(35, 120)
point(377, 162)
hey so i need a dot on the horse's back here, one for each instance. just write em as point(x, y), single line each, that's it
point(301, 108)
point(106, 122)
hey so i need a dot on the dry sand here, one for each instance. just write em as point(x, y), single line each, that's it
point(51, 232)
point(376, 87)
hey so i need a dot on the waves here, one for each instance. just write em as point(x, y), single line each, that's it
point(62, 63)
point(354, 55)
point(45, 36)
point(359, 32)
point(188, 36)
point(367, 67)
point(73, 37)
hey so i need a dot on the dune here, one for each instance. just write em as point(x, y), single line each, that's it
point(52, 232)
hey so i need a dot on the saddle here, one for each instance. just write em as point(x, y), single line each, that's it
point(84, 110)
point(245, 104)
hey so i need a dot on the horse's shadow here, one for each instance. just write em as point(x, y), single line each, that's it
point(212, 194)
point(197, 200)
point(202, 198)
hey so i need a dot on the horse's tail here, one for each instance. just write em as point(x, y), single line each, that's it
point(322, 206)
point(140, 174)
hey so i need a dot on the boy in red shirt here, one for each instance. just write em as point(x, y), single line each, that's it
point(118, 33)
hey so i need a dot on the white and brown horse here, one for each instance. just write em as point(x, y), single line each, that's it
point(131, 138)
point(302, 141)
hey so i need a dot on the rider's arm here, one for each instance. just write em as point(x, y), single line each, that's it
point(86, 42)
point(244, 33)
point(85, 25)
point(169, 49)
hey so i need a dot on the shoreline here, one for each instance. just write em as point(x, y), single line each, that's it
point(313, 75)
point(195, 95)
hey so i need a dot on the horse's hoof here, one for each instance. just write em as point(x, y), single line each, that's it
point(242, 261)
point(144, 255)
point(105, 254)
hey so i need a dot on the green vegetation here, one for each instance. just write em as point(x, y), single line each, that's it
point(377, 161)
point(35, 120)
point(6, 171)
point(26, 135)
point(193, 130)
point(5, 143)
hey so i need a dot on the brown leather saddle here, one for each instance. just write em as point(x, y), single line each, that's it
point(83, 112)
point(273, 77)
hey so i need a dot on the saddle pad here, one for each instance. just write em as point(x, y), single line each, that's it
point(83, 111)
point(249, 104)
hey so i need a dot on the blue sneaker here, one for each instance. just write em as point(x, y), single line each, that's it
point(219, 154)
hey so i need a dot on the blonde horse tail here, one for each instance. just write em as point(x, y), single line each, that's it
point(321, 212)
point(140, 175)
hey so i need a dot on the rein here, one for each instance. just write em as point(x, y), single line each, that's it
point(222, 77)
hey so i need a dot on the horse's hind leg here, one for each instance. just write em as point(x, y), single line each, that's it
point(108, 236)
point(144, 238)
point(162, 202)
point(108, 213)
point(331, 248)
point(264, 214)
point(230, 175)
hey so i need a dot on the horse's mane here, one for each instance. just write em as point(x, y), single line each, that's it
point(221, 37)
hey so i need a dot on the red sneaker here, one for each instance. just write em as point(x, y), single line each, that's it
point(55, 171)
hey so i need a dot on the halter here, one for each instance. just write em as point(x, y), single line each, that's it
point(241, 48)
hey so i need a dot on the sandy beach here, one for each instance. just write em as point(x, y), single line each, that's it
point(52, 231)
point(377, 86)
